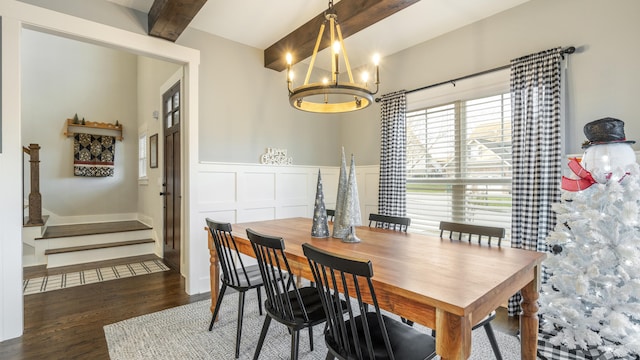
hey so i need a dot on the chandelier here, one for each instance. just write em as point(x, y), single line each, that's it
point(331, 96)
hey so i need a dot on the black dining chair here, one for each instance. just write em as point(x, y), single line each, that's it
point(397, 223)
point(468, 232)
point(296, 308)
point(361, 334)
point(234, 273)
point(331, 213)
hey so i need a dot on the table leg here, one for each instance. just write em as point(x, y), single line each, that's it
point(453, 336)
point(213, 271)
point(529, 318)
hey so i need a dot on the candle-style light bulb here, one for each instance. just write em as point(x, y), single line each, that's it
point(336, 51)
point(365, 77)
point(325, 81)
point(376, 62)
point(289, 58)
point(336, 47)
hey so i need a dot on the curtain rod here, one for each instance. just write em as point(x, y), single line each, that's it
point(568, 50)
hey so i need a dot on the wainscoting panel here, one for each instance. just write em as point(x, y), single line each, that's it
point(223, 182)
point(253, 192)
point(330, 186)
point(293, 187)
point(257, 214)
point(257, 186)
point(222, 216)
point(293, 211)
point(368, 190)
point(371, 186)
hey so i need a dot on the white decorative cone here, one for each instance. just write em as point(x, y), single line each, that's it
point(320, 227)
point(352, 205)
point(340, 225)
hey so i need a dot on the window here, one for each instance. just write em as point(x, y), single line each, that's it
point(142, 156)
point(459, 163)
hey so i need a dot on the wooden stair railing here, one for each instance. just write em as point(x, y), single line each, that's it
point(35, 198)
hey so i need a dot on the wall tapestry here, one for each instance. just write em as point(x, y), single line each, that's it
point(93, 155)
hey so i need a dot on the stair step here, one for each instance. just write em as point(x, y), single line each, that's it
point(92, 229)
point(96, 246)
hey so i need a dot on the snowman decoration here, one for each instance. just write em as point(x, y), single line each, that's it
point(592, 299)
point(608, 155)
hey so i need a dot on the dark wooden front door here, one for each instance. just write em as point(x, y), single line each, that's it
point(172, 184)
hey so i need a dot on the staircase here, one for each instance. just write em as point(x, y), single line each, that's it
point(82, 243)
point(63, 245)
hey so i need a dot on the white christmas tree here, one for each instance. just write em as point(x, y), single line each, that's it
point(593, 295)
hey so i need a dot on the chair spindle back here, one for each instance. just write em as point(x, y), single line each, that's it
point(396, 223)
point(468, 231)
point(331, 213)
point(277, 278)
point(233, 269)
point(347, 276)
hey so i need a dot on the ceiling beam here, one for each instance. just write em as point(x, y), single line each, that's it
point(168, 18)
point(353, 16)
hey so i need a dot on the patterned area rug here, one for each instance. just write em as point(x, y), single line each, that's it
point(61, 281)
point(181, 333)
point(548, 351)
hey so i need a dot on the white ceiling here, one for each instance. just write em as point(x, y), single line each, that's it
point(260, 23)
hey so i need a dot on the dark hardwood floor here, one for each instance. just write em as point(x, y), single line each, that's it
point(67, 324)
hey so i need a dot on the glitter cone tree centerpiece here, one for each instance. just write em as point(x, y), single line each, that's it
point(320, 228)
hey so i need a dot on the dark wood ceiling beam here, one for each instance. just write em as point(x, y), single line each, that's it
point(168, 18)
point(353, 16)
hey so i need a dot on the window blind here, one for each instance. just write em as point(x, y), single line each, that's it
point(459, 163)
point(142, 156)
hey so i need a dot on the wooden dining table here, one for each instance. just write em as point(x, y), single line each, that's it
point(443, 284)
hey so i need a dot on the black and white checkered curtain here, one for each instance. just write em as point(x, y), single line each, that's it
point(537, 151)
point(392, 190)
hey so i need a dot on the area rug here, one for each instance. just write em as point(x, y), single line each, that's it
point(61, 281)
point(182, 333)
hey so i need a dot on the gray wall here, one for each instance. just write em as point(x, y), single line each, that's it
point(244, 108)
point(602, 78)
point(61, 77)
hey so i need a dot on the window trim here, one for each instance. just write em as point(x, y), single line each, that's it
point(476, 87)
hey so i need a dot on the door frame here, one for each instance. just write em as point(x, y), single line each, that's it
point(15, 16)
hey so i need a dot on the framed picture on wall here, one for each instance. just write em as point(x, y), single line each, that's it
point(153, 151)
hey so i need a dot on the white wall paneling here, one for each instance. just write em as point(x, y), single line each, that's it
point(250, 192)
point(254, 192)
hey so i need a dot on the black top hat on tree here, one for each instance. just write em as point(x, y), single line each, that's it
point(605, 131)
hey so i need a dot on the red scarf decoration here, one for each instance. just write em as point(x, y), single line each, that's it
point(584, 182)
